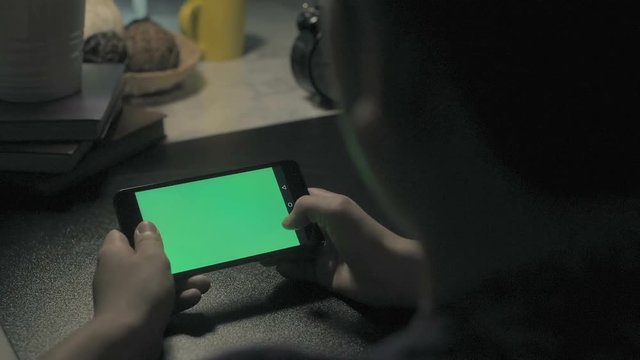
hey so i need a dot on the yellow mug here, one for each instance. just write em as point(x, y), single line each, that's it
point(217, 26)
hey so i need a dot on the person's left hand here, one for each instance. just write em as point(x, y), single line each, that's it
point(135, 286)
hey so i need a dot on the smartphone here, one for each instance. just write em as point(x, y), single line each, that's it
point(220, 220)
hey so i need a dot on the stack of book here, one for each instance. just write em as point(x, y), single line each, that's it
point(50, 146)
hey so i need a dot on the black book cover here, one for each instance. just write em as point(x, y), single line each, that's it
point(82, 116)
point(44, 156)
point(135, 130)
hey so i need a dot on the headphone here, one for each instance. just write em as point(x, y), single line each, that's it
point(309, 62)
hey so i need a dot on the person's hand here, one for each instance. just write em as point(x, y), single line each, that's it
point(135, 286)
point(133, 297)
point(361, 259)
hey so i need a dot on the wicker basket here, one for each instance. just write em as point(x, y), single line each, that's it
point(142, 83)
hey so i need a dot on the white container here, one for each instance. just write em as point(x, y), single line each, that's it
point(40, 49)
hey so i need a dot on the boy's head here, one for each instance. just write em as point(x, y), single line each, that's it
point(547, 92)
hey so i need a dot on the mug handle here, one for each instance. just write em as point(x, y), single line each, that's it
point(188, 17)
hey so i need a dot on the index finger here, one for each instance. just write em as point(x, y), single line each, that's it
point(116, 241)
point(147, 238)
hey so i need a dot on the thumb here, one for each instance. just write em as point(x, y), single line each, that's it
point(319, 207)
point(315, 208)
point(299, 216)
point(147, 238)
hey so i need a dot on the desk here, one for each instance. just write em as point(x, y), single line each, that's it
point(255, 90)
point(48, 255)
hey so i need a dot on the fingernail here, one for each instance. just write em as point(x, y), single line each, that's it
point(146, 227)
point(286, 222)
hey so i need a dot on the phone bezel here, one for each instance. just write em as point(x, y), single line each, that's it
point(129, 215)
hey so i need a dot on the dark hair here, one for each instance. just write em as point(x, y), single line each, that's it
point(555, 85)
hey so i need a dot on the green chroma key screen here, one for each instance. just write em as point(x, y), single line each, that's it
point(211, 221)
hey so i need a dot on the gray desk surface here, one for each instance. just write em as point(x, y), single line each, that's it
point(255, 90)
point(48, 253)
point(6, 352)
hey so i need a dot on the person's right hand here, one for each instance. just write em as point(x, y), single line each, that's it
point(361, 259)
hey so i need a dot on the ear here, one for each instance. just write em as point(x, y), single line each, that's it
point(377, 153)
point(367, 137)
point(366, 116)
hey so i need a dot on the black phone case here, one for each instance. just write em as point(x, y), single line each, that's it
point(129, 215)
